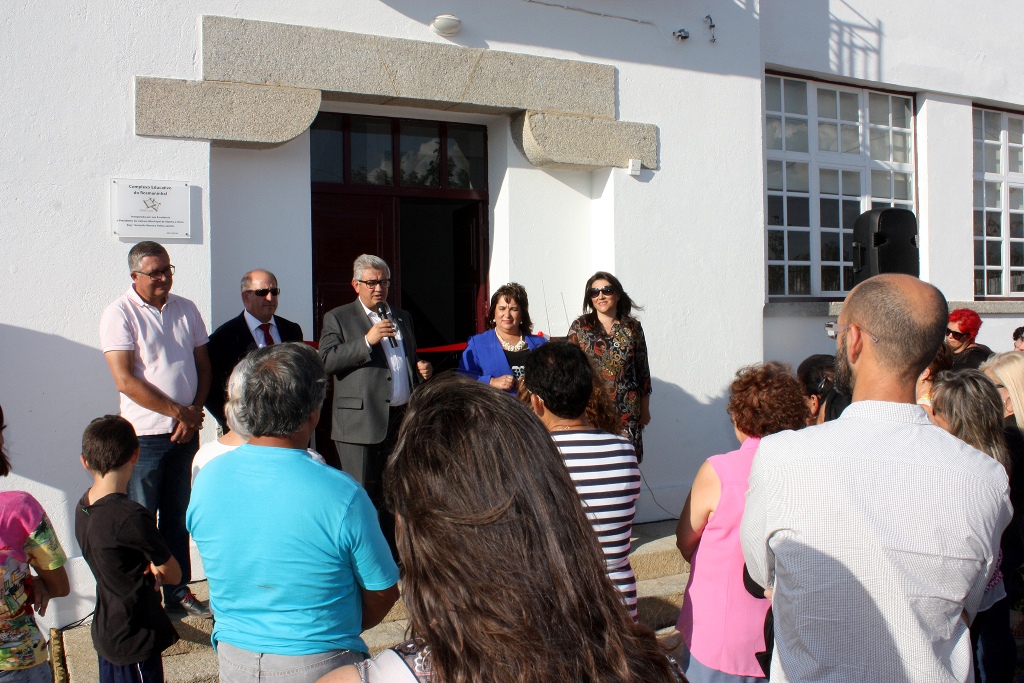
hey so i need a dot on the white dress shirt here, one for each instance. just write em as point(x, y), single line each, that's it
point(254, 326)
point(401, 385)
point(876, 530)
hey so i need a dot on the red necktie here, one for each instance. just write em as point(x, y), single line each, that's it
point(267, 339)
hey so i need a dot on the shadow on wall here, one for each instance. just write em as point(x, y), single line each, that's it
point(855, 45)
point(45, 419)
point(676, 444)
point(641, 34)
point(833, 38)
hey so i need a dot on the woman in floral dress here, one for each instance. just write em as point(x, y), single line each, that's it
point(610, 335)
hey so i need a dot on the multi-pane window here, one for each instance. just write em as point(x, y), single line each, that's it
point(371, 151)
point(832, 152)
point(998, 204)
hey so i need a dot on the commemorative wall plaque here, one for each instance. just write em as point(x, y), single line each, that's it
point(157, 209)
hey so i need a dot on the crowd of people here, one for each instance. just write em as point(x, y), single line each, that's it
point(862, 530)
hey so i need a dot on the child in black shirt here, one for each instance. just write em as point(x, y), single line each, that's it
point(128, 557)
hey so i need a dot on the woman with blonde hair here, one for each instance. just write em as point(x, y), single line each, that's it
point(967, 404)
point(1007, 371)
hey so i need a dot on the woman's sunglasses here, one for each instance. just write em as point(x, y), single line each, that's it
point(594, 292)
point(959, 336)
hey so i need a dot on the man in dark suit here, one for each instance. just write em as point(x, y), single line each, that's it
point(373, 361)
point(254, 328)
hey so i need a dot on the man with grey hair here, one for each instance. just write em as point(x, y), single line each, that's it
point(877, 531)
point(156, 346)
point(255, 327)
point(370, 349)
point(297, 564)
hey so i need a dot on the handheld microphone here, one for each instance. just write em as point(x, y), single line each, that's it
point(382, 311)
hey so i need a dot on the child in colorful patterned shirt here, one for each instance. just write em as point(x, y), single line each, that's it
point(27, 540)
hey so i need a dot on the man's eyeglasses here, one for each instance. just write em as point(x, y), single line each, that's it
point(261, 293)
point(959, 336)
point(373, 284)
point(158, 274)
point(834, 329)
point(594, 292)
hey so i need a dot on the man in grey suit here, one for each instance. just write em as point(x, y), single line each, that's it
point(372, 358)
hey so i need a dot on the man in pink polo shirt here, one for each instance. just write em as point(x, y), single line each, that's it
point(155, 345)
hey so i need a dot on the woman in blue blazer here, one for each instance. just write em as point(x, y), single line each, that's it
point(498, 356)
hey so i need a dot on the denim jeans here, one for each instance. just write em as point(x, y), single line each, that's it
point(40, 673)
point(162, 483)
point(241, 666)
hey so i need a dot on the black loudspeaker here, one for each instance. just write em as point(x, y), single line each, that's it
point(885, 241)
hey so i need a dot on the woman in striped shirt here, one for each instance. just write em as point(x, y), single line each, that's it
point(602, 466)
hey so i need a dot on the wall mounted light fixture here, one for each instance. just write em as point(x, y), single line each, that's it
point(446, 25)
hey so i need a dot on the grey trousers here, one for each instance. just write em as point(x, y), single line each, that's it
point(241, 666)
point(354, 457)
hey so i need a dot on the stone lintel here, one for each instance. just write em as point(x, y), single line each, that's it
point(577, 142)
point(225, 112)
point(348, 65)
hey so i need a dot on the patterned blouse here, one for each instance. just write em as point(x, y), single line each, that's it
point(621, 358)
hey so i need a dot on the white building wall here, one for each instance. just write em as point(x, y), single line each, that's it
point(260, 218)
point(965, 49)
point(689, 240)
point(67, 116)
point(950, 56)
point(945, 156)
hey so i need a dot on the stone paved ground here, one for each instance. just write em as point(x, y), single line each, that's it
point(661, 577)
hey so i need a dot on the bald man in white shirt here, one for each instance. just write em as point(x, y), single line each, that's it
point(878, 531)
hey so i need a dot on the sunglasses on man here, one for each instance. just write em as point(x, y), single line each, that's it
point(263, 292)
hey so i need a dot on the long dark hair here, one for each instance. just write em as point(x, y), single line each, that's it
point(5, 463)
point(514, 292)
point(623, 310)
point(502, 574)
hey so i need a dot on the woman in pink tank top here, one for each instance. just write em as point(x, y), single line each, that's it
point(721, 624)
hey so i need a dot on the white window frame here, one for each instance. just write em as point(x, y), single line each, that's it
point(816, 160)
point(998, 204)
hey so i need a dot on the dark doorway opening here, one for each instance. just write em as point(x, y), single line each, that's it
point(413, 193)
point(437, 250)
point(441, 254)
